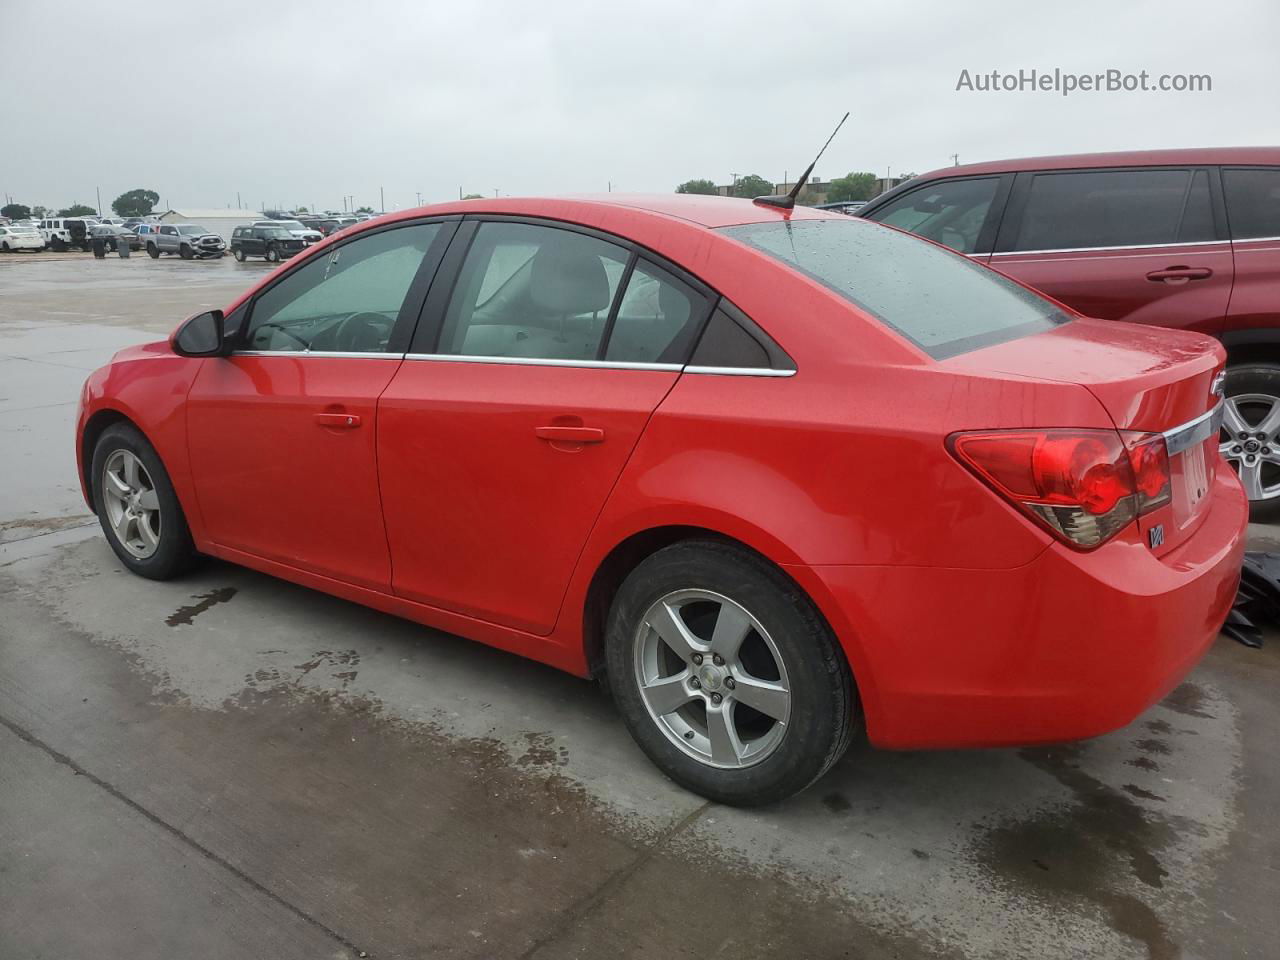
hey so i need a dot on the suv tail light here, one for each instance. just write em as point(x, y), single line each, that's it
point(1083, 485)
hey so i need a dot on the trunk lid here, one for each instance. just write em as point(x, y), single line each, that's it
point(1149, 379)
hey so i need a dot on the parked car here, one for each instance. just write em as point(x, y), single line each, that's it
point(115, 235)
point(19, 236)
point(843, 206)
point(188, 240)
point(1173, 238)
point(269, 242)
point(304, 232)
point(63, 232)
point(665, 440)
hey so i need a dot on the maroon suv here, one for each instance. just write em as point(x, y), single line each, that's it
point(1176, 238)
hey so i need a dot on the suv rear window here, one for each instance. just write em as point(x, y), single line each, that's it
point(1115, 208)
point(942, 302)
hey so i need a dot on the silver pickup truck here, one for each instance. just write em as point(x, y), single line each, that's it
point(187, 240)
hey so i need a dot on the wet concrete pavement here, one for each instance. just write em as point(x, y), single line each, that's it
point(229, 765)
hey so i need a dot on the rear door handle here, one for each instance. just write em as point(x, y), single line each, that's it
point(344, 421)
point(1180, 274)
point(570, 434)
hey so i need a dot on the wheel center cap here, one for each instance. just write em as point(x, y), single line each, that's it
point(711, 677)
point(1252, 446)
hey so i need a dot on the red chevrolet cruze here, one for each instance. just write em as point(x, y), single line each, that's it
point(778, 474)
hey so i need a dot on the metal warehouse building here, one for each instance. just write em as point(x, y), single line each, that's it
point(221, 222)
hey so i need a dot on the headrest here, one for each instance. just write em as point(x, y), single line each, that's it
point(568, 278)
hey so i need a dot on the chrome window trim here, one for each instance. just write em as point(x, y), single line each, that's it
point(1187, 435)
point(1256, 240)
point(740, 371)
point(1132, 246)
point(603, 365)
point(351, 355)
point(544, 362)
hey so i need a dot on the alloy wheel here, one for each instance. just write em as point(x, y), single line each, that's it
point(1250, 442)
point(132, 505)
point(712, 678)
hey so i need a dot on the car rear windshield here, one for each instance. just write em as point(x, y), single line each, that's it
point(941, 301)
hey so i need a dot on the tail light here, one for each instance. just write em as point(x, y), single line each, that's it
point(1085, 486)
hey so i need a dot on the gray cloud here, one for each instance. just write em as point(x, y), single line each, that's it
point(302, 102)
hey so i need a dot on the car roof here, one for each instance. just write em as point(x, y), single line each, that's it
point(605, 210)
point(1127, 158)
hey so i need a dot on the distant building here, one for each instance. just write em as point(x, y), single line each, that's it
point(220, 221)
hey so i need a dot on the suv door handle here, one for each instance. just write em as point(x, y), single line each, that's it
point(344, 421)
point(1180, 274)
point(570, 434)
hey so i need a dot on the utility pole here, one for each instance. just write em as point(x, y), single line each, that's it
point(382, 198)
point(955, 157)
point(98, 191)
point(418, 194)
point(238, 207)
point(608, 186)
point(459, 191)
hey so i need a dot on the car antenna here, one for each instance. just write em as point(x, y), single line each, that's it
point(787, 201)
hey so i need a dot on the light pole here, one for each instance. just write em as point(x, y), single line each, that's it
point(418, 194)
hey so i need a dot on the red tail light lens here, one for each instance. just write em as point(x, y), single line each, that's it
point(1084, 485)
point(1149, 458)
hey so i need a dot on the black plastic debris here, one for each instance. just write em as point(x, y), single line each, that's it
point(1257, 599)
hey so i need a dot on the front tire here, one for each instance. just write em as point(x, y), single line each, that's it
point(1252, 408)
point(273, 255)
point(726, 675)
point(152, 251)
point(185, 252)
point(239, 255)
point(137, 507)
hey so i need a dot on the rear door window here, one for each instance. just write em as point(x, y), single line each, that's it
point(533, 292)
point(951, 213)
point(942, 302)
point(1253, 202)
point(1111, 208)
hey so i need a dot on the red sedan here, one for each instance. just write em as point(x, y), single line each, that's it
point(779, 475)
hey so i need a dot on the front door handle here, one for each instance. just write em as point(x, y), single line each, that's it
point(1179, 275)
point(570, 434)
point(343, 421)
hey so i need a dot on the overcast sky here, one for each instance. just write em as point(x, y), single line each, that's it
point(294, 102)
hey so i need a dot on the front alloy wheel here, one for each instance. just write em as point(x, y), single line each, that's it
point(137, 506)
point(132, 504)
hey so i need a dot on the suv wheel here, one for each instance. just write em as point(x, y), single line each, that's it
point(137, 507)
point(239, 254)
point(57, 244)
point(152, 251)
point(273, 255)
point(726, 675)
point(185, 252)
point(1250, 439)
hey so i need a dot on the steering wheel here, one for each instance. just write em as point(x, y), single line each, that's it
point(362, 333)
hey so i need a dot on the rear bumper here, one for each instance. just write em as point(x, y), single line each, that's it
point(1069, 646)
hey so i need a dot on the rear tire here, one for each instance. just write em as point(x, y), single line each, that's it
point(144, 525)
point(239, 255)
point(1252, 392)
point(785, 662)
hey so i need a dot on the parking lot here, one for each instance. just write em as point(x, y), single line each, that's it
point(230, 765)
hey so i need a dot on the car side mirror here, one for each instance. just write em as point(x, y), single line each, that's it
point(200, 336)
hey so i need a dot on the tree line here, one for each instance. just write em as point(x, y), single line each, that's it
point(131, 203)
point(852, 186)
